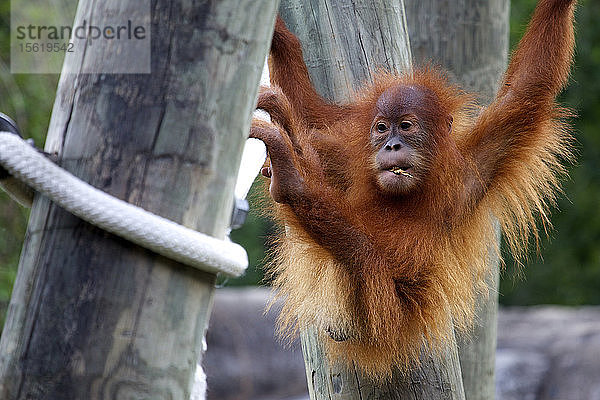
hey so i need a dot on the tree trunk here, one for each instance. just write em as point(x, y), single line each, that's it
point(343, 43)
point(469, 38)
point(93, 316)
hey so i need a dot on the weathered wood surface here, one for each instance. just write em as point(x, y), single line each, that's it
point(436, 378)
point(344, 42)
point(93, 316)
point(469, 39)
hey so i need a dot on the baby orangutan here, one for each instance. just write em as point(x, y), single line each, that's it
point(389, 201)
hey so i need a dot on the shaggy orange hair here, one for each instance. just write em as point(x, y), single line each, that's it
point(416, 262)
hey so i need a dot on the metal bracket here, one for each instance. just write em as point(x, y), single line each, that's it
point(239, 213)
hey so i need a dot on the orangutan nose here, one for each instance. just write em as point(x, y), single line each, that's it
point(394, 144)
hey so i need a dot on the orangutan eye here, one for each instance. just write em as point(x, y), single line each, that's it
point(381, 127)
point(406, 125)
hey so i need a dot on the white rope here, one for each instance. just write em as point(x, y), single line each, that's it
point(133, 223)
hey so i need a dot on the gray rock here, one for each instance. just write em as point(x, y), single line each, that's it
point(559, 347)
point(519, 374)
point(244, 359)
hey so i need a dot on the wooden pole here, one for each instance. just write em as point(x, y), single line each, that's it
point(93, 316)
point(343, 43)
point(469, 38)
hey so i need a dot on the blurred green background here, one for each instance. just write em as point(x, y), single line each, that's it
point(566, 271)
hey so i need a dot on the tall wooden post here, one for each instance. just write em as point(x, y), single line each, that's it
point(469, 38)
point(343, 43)
point(93, 316)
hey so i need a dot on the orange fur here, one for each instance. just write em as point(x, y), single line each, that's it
point(397, 273)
